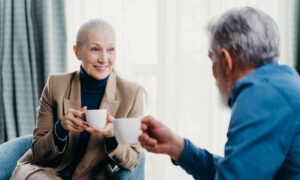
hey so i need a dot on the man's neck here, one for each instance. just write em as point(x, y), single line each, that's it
point(241, 74)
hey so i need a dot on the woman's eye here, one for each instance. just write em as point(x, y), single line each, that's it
point(94, 49)
point(110, 49)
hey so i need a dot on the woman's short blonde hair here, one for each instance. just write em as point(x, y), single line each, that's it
point(91, 24)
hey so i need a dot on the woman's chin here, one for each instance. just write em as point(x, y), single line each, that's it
point(100, 76)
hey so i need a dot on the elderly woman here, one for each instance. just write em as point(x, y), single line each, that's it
point(64, 147)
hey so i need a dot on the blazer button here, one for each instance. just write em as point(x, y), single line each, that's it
point(116, 159)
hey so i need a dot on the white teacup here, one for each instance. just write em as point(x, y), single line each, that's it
point(127, 130)
point(96, 118)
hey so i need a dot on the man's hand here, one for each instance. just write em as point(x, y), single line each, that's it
point(74, 120)
point(158, 138)
point(107, 131)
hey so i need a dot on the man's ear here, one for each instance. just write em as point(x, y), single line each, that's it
point(76, 52)
point(227, 60)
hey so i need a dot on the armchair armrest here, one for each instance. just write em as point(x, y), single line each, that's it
point(10, 152)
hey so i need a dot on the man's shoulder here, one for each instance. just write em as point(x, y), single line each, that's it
point(280, 78)
point(278, 84)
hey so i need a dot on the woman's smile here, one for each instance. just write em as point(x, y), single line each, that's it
point(101, 67)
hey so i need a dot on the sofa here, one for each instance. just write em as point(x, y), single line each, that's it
point(14, 149)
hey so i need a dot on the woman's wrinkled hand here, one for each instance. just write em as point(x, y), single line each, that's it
point(73, 121)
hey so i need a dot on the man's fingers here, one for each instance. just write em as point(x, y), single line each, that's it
point(145, 139)
point(151, 122)
point(148, 147)
point(144, 127)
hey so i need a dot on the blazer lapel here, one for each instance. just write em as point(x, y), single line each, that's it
point(109, 100)
point(73, 99)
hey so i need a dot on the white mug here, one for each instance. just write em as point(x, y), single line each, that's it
point(127, 130)
point(96, 118)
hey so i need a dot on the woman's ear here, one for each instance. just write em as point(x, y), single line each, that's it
point(76, 52)
point(227, 61)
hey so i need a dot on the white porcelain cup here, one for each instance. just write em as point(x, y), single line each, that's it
point(127, 130)
point(96, 118)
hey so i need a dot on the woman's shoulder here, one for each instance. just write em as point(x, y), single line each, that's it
point(127, 85)
point(62, 76)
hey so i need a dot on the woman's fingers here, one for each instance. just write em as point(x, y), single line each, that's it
point(74, 120)
point(78, 117)
point(95, 131)
point(109, 118)
point(77, 122)
point(78, 113)
point(71, 127)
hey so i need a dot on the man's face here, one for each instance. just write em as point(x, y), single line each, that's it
point(219, 73)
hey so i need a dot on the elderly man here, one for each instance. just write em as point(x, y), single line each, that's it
point(264, 130)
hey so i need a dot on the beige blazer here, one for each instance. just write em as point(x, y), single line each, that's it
point(62, 91)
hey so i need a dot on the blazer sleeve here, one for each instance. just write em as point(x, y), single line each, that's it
point(44, 150)
point(127, 156)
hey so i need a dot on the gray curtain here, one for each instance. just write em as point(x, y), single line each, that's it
point(32, 45)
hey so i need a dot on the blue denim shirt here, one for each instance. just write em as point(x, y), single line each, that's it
point(264, 131)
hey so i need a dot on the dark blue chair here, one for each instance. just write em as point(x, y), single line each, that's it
point(11, 151)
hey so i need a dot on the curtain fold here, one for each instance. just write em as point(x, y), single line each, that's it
point(32, 45)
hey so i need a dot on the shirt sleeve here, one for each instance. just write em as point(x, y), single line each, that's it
point(197, 162)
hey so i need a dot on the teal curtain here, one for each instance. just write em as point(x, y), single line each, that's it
point(32, 45)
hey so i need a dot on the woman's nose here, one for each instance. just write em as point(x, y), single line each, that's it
point(103, 57)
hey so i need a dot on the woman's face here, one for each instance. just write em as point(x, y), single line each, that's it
point(97, 52)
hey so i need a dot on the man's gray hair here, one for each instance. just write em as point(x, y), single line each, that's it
point(248, 34)
point(91, 24)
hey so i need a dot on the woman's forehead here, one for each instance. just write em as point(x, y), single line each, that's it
point(99, 35)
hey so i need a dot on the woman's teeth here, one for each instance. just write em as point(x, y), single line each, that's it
point(100, 67)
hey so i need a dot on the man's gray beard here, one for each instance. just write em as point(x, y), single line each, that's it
point(223, 99)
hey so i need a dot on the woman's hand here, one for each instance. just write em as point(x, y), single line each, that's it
point(107, 131)
point(74, 120)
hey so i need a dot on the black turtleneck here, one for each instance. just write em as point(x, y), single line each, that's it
point(92, 90)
